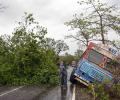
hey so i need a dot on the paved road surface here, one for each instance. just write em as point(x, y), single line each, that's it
point(36, 92)
point(58, 93)
point(20, 93)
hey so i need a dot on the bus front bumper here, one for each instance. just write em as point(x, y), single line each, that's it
point(81, 80)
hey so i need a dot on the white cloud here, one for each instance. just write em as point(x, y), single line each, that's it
point(50, 13)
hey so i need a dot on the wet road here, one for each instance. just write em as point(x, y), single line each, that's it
point(20, 93)
point(37, 92)
point(58, 93)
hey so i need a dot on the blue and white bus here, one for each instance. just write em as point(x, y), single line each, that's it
point(92, 66)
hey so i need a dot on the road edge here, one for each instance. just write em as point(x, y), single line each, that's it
point(73, 96)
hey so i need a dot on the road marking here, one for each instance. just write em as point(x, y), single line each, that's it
point(73, 96)
point(11, 91)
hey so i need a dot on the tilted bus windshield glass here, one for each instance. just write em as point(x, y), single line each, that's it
point(95, 57)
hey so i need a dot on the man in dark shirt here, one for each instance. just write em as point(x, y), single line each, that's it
point(74, 65)
point(63, 74)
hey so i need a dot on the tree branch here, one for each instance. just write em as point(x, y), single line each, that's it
point(71, 36)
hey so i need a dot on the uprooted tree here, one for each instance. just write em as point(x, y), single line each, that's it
point(95, 21)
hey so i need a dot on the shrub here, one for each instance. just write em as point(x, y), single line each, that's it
point(24, 59)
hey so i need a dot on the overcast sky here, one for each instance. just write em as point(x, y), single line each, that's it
point(50, 13)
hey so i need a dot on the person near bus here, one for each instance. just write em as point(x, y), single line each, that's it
point(63, 74)
point(74, 65)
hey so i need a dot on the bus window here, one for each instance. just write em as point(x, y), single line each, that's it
point(96, 58)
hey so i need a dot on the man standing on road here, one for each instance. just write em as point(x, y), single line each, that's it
point(74, 65)
point(63, 74)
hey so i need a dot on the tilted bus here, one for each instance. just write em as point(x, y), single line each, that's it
point(92, 66)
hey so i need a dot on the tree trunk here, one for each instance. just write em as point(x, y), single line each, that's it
point(102, 32)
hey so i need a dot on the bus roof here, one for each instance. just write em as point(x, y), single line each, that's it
point(105, 50)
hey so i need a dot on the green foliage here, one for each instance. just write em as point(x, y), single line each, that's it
point(67, 58)
point(115, 91)
point(94, 22)
point(56, 46)
point(104, 91)
point(25, 58)
point(78, 54)
point(113, 63)
point(116, 43)
point(100, 92)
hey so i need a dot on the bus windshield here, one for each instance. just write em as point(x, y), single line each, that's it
point(95, 57)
